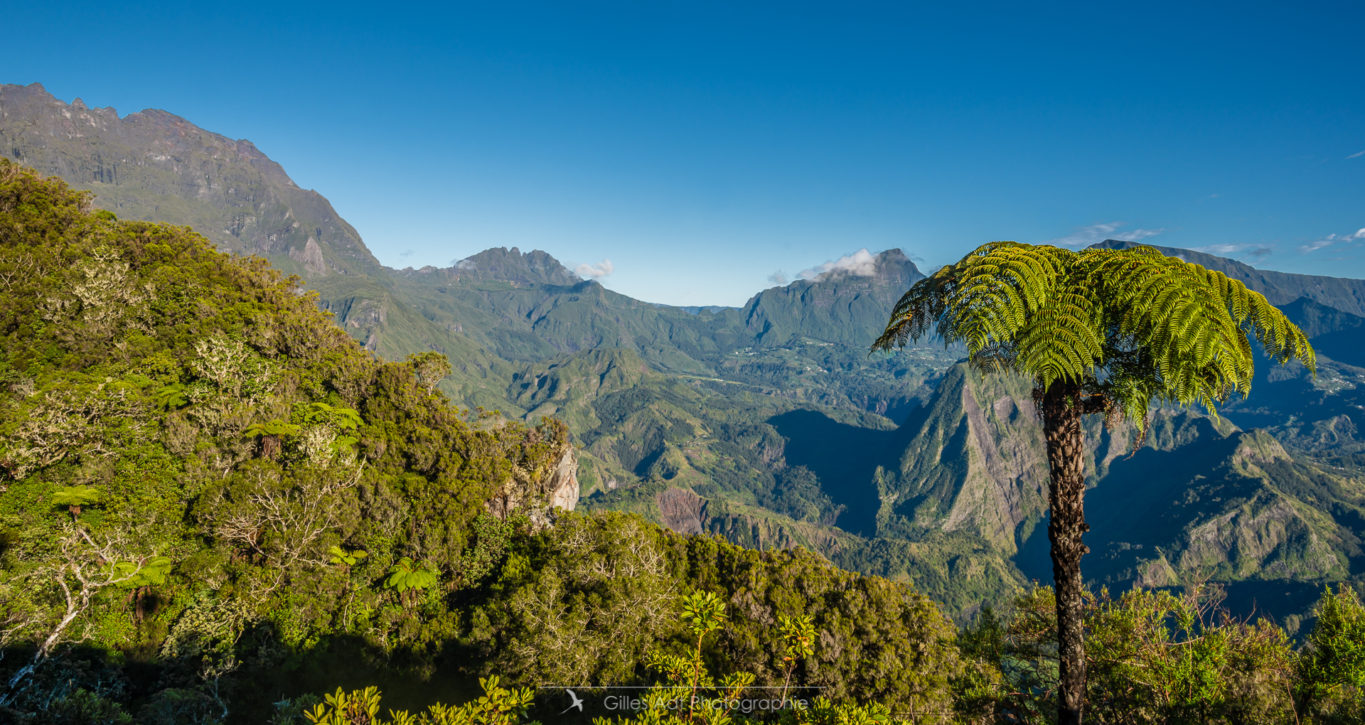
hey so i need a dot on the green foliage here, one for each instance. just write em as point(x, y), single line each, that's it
point(1153, 656)
point(274, 427)
point(430, 368)
point(137, 365)
point(497, 706)
point(491, 536)
point(73, 498)
point(346, 556)
point(1331, 668)
point(704, 613)
point(1130, 325)
point(171, 397)
point(615, 585)
point(688, 691)
point(338, 417)
point(406, 576)
point(798, 640)
point(133, 575)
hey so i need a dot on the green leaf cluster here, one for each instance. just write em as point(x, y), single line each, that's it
point(1130, 325)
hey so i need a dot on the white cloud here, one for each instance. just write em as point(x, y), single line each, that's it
point(779, 278)
point(1333, 239)
point(1230, 250)
point(1086, 236)
point(861, 263)
point(595, 271)
point(1356, 155)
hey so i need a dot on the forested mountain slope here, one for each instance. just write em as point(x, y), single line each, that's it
point(212, 500)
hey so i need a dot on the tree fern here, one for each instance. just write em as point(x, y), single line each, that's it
point(1100, 330)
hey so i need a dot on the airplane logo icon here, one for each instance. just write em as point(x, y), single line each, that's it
point(575, 704)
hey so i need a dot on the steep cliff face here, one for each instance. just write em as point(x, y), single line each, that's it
point(682, 510)
point(974, 461)
point(537, 493)
point(686, 512)
point(156, 166)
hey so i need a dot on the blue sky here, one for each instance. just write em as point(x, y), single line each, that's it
point(705, 150)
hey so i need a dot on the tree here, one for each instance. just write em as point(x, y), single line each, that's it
point(1098, 331)
point(1332, 665)
point(270, 434)
point(798, 638)
point(430, 368)
point(83, 570)
point(74, 497)
point(407, 578)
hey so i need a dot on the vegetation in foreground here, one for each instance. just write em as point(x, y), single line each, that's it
point(213, 502)
point(211, 499)
point(1152, 656)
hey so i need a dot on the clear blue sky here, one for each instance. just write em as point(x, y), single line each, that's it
point(702, 148)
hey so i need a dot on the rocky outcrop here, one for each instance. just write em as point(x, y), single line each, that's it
point(537, 495)
point(563, 484)
point(682, 510)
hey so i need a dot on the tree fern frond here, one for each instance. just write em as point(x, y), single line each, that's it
point(1133, 323)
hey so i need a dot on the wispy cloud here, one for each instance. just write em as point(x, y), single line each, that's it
point(779, 278)
point(1332, 240)
point(595, 271)
point(405, 253)
point(861, 263)
point(1086, 236)
point(1357, 154)
point(1237, 250)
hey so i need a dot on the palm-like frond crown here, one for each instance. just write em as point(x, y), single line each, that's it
point(1130, 324)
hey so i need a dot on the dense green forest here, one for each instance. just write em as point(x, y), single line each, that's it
point(216, 506)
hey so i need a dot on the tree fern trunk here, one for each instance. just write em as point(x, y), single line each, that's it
point(1066, 459)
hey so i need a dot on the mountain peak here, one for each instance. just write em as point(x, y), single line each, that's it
point(843, 301)
point(890, 266)
point(513, 265)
